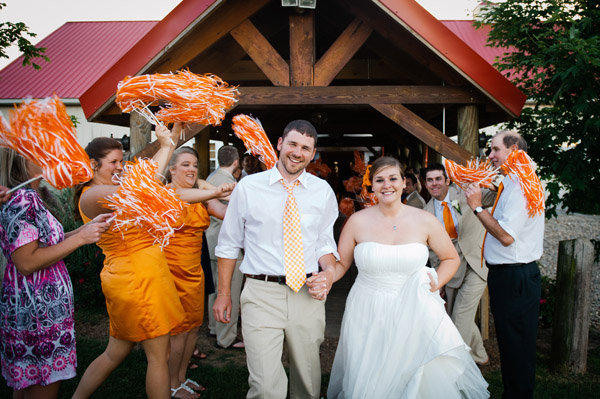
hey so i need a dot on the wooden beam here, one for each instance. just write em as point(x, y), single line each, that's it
point(190, 130)
point(302, 48)
point(399, 38)
point(206, 33)
point(140, 131)
point(341, 51)
point(468, 128)
point(357, 95)
point(424, 131)
point(202, 147)
point(261, 52)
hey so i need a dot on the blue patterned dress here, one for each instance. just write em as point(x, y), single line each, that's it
point(37, 335)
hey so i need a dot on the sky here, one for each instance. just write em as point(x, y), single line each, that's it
point(45, 16)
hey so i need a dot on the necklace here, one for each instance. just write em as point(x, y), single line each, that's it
point(394, 227)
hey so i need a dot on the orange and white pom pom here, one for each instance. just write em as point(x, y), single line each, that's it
point(519, 164)
point(359, 164)
point(143, 202)
point(346, 207)
point(251, 132)
point(476, 171)
point(318, 168)
point(183, 97)
point(42, 132)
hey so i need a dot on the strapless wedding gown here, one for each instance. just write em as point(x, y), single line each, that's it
point(396, 339)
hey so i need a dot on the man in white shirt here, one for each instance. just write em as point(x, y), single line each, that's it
point(513, 244)
point(464, 290)
point(272, 311)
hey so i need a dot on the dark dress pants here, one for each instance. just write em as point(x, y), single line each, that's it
point(515, 291)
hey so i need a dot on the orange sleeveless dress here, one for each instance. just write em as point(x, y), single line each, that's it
point(183, 256)
point(141, 298)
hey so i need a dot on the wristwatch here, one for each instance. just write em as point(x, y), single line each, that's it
point(477, 210)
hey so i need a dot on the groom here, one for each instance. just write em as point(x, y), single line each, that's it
point(283, 219)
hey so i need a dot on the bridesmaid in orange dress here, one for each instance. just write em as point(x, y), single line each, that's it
point(141, 298)
point(183, 256)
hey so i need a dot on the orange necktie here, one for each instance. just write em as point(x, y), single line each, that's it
point(293, 252)
point(448, 221)
point(500, 188)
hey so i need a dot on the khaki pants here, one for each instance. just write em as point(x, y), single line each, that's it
point(272, 313)
point(226, 332)
point(462, 307)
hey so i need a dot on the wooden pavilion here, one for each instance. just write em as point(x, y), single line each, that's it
point(382, 75)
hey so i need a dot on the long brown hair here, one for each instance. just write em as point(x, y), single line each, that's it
point(97, 149)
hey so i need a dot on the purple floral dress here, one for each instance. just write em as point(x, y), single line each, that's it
point(37, 335)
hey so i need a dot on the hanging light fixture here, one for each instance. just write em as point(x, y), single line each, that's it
point(299, 3)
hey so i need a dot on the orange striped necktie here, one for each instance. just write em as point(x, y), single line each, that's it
point(500, 189)
point(293, 251)
point(448, 221)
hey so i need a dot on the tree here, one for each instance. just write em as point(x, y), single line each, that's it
point(17, 32)
point(554, 58)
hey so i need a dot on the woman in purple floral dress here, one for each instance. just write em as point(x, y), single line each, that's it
point(37, 338)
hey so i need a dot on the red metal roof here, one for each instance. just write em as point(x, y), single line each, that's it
point(466, 61)
point(153, 43)
point(79, 52)
point(475, 38)
point(408, 13)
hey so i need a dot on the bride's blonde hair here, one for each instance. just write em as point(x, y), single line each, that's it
point(384, 162)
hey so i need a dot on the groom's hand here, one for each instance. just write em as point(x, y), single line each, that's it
point(222, 308)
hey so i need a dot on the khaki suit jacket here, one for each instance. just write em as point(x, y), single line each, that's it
point(415, 199)
point(470, 236)
point(219, 177)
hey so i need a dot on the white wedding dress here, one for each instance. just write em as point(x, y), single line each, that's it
point(397, 340)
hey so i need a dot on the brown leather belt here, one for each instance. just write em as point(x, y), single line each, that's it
point(266, 277)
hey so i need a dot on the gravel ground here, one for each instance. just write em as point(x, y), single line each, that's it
point(568, 227)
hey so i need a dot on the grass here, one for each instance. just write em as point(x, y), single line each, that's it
point(230, 380)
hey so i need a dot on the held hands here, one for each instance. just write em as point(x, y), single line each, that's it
point(473, 194)
point(319, 284)
point(92, 231)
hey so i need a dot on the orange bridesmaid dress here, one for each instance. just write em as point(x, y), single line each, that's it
point(141, 298)
point(183, 256)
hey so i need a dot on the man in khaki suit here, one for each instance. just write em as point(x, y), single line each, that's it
point(465, 289)
point(411, 190)
point(229, 165)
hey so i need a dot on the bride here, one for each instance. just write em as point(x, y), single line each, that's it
point(396, 339)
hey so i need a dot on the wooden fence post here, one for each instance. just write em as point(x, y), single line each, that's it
point(571, 319)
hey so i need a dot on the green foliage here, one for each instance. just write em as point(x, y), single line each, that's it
point(74, 120)
point(555, 60)
point(17, 32)
point(85, 263)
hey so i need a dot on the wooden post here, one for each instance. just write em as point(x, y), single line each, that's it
point(571, 319)
point(141, 132)
point(202, 147)
point(468, 128)
point(302, 48)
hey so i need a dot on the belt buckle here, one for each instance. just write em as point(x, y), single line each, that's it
point(281, 280)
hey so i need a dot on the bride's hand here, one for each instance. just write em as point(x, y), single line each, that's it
point(317, 286)
point(433, 283)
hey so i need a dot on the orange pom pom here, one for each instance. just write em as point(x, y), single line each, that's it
point(318, 168)
point(476, 171)
point(185, 97)
point(346, 206)
point(519, 164)
point(353, 184)
point(42, 132)
point(143, 202)
point(251, 132)
point(359, 164)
